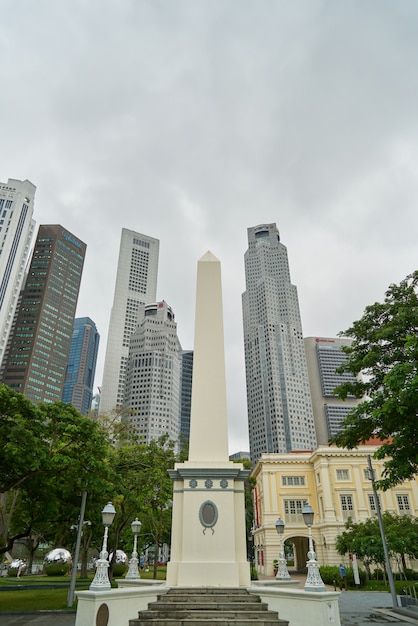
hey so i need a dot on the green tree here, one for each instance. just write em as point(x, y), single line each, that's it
point(249, 485)
point(48, 451)
point(142, 488)
point(364, 539)
point(385, 353)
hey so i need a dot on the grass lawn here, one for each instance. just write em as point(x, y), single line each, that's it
point(379, 585)
point(36, 599)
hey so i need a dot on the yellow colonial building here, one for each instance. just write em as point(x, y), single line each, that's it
point(335, 482)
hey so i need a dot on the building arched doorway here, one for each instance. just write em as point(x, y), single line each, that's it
point(300, 552)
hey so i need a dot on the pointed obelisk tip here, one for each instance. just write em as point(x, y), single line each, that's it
point(208, 257)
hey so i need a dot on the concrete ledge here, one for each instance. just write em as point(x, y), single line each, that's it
point(122, 604)
point(139, 582)
point(118, 606)
point(404, 613)
point(276, 583)
point(300, 607)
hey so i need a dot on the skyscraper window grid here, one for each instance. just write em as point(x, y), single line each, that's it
point(136, 285)
point(16, 231)
point(280, 414)
point(41, 337)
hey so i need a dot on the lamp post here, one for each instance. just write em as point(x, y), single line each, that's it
point(71, 591)
point(133, 571)
point(314, 581)
point(101, 579)
point(282, 573)
point(382, 534)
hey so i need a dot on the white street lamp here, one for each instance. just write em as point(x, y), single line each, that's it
point(282, 573)
point(133, 571)
point(101, 579)
point(314, 581)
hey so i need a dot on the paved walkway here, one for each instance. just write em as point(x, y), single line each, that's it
point(363, 608)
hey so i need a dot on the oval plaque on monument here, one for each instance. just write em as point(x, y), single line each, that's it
point(208, 515)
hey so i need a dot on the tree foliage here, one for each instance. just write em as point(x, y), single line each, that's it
point(364, 539)
point(384, 352)
point(50, 452)
point(142, 488)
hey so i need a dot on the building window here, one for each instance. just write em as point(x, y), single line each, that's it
point(343, 474)
point(347, 505)
point(403, 504)
point(293, 511)
point(372, 503)
point(293, 481)
point(367, 475)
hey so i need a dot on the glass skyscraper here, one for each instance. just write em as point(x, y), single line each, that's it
point(186, 380)
point(81, 366)
point(280, 416)
point(41, 338)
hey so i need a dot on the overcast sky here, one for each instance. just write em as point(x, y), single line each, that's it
point(191, 120)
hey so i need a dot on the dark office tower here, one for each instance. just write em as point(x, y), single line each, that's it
point(41, 339)
point(280, 416)
point(81, 367)
point(186, 378)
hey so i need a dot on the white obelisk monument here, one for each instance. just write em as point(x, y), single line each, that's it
point(208, 543)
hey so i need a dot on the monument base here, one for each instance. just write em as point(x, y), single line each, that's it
point(208, 545)
point(222, 574)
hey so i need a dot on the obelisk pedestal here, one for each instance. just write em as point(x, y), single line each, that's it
point(208, 542)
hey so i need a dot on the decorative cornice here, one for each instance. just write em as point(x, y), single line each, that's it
point(217, 473)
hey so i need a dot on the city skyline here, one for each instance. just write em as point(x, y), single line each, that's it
point(192, 124)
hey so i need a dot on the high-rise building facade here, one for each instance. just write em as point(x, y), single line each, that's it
point(280, 416)
point(324, 356)
point(81, 366)
point(136, 285)
point(41, 338)
point(16, 230)
point(186, 380)
point(152, 388)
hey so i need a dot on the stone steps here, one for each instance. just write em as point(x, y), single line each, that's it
point(207, 606)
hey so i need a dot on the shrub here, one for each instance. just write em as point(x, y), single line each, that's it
point(119, 569)
point(57, 569)
point(411, 574)
point(331, 573)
